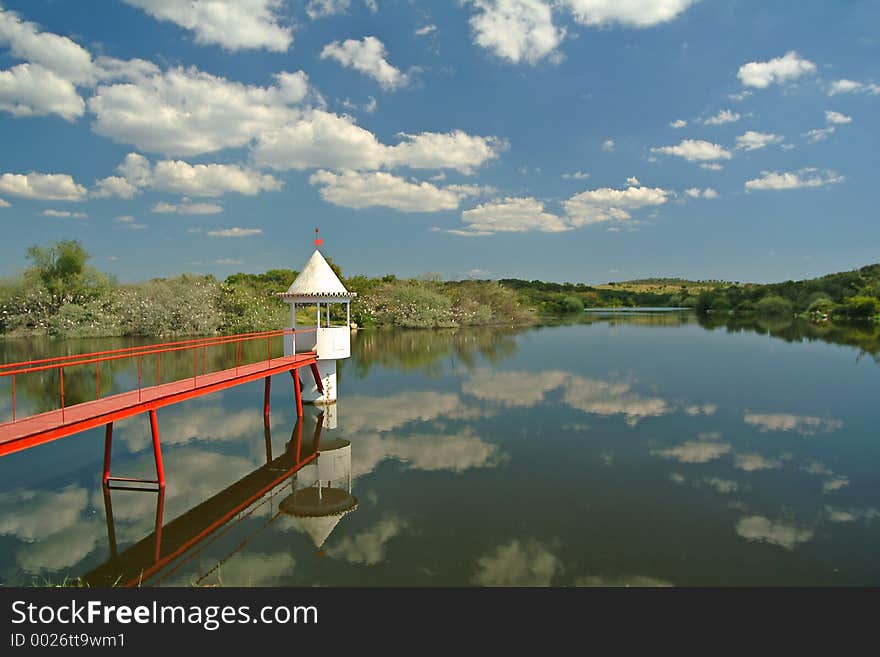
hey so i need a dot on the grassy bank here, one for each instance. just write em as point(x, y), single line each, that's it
point(60, 294)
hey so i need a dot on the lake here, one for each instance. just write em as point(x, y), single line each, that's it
point(624, 449)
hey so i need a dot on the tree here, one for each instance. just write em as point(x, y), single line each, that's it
point(774, 306)
point(62, 269)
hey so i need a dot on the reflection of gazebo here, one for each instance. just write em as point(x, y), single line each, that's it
point(319, 506)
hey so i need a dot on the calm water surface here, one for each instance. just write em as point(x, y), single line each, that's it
point(630, 449)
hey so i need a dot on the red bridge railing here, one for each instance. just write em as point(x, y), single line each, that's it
point(199, 346)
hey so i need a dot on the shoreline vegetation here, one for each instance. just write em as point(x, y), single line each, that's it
point(61, 295)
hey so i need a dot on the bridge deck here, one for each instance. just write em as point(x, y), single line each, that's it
point(45, 427)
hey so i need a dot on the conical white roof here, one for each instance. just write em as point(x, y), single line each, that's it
point(319, 528)
point(316, 279)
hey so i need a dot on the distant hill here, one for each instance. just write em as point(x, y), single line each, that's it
point(662, 285)
point(848, 294)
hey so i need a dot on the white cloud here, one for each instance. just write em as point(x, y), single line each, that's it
point(753, 462)
point(34, 515)
point(43, 186)
point(711, 166)
point(696, 192)
point(607, 204)
point(186, 207)
point(329, 141)
point(633, 181)
point(187, 111)
point(4, 203)
point(695, 451)
point(694, 150)
point(818, 134)
point(752, 140)
point(32, 90)
point(363, 412)
point(129, 222)
point(368, 57)
point(209, 179)
point(321, 140)
point(837, 118)
point(64, 214)
point(835, 483)
point(678, 123)
point(58, 54)
point(369, 546)
point(850, 515)
point(179, 177)
point(576, 175)
point(724, 116)
point(517, 215)
point(452, 452)
point(761, 529)
point(852, 87)
point(114, 186)
point(438, 150)
point(629, 13)
point(721, 485)
point(608, 145)
point(776, 71)
point(742, 95)
point(505, 387)
point(425, 30)
point(802, 424)
point(355, 189)
point(517, 30)
point(518, 563)
point(790, 180)
point(323, 8)
point(233, 24)
point(234, 232)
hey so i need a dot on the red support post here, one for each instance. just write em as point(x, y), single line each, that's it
point(317, 375)
point(157, 449)
point(267, 388)
point(160, 512)
point(61, 379)
point(97, 380)
point(13, 397)
point(298, 392)
point(108, 448)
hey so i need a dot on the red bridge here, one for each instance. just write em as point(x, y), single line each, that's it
point(25, 432)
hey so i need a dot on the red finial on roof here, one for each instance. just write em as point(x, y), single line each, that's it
point(318, 242)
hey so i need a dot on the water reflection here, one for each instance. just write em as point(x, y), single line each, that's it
point(623, 451)
point(429, 351)
point(169, 544)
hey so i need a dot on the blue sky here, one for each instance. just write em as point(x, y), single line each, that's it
point(567, 140)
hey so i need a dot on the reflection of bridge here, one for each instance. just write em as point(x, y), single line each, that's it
point(23, 433)
point(173, 542)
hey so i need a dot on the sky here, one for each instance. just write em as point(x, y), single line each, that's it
point(564, 140)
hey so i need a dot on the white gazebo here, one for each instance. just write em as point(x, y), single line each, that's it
point(318, 285)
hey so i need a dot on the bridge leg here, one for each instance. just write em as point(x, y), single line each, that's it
point(157, 449)
point(317, 375)
point(108, 447)
point(267, 388)
point(298, 392)
point(160, 512)
point(111, 526)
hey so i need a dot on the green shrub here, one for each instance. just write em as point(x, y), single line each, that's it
point(859, 307)
point(774, 306)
